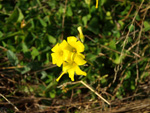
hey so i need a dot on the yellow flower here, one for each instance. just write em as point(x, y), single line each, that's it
point(71, 68)
point(81, 33)
point(77, 46)
point(69, 54)
point(58, 56)
point(74, 51)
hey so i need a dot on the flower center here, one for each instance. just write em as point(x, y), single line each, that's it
point(74, 50)
point(74, 64)
point(61, 53)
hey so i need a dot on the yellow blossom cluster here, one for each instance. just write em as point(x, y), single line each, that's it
point(68, 53)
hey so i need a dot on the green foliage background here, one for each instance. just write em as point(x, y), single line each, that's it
point(117, 62)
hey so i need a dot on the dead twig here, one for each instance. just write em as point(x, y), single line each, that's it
point(63, 19)
point(128, 13)
point(9, 102)
point(86, 85)
point(137, 49)
point(13, 67)
point(119, 67)
point(94, 92)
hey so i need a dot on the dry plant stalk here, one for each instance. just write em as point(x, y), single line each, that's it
point(86, 85)
point(63, 18)
point(13, 67)
point(119, 67)
point(9, 102)
point(94, 92)
point(137, 49)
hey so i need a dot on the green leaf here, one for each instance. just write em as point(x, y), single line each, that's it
point(52, 94)
point(131, 27)
point(132, 85)
point(138, 17)
point(79, 91)
point(12, 57)
point(29, 66)
point(47, 58)
point(69, 11)
point(128, 75)
point(1, 34)
point(102, 2)
point(87, 2)
point(146, 26)
point(4, 44)
point(43, 23)
point(52, 4)
point(34, 52)
point(85, 19)
point(116, 34)
point(93, 25)
point(51, 86)
point(118, 59)
point(91, 57)
point(21, 16)
point(11, 34)
point(29, 25)
point(0, 6)
point(51, 39)
point(24, 47)
point(121, 24)
point(103, 81)
point(112, 44)
point(126, 10)
point(46, 49)
point(16, 16)
point(44, 74)
point(25, 69)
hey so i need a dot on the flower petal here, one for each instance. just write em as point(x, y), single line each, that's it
point(56, 48)
point(57, 59)
point(78, 59)
point(60, 76)
point(80, 72)
point(54, 58)
point(66, 66)
point(71, 74)
point(79, 46)
point(80, 29)
point(67, 55)
point(76, 44)
point(63, 45)
point(81, 55)
point(71, 39)
point(81, 33)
